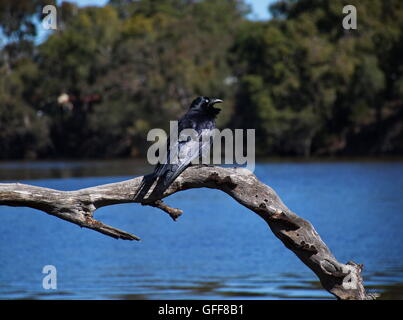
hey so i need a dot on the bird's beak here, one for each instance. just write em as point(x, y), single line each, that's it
point(214, 101)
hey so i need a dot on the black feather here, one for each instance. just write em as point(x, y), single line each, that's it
point(200, 117)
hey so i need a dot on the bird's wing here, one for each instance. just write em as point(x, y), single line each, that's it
point(160, 168)
point(164, 169)
point(169, 156)
point(189, 150)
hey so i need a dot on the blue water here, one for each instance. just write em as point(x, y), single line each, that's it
point(217, 249)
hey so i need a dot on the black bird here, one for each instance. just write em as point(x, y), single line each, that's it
point(200, 117)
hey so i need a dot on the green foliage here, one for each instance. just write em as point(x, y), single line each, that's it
point(23, 132)
point(16, 17)
point(311, 84)
point(109, 74)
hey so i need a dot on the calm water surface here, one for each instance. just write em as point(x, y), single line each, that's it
point(217, 249)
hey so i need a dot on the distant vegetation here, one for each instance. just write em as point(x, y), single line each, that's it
point(109, 74)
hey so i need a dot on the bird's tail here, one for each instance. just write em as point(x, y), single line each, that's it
point(164, 181)
point(167, 179)
point(144, 187)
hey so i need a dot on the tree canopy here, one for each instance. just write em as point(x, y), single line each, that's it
point(108, 75)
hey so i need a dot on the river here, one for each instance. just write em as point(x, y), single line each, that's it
point(217, 249)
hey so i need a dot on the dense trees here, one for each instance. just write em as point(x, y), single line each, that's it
point(317, 88)
point(108, 74)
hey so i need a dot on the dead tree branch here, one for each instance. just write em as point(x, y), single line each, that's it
point(342, 280)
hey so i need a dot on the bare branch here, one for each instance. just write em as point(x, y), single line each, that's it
point(174, 213)
point(342, 280)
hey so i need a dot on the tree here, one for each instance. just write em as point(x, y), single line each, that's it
point(108, 74)
point(130, 66)
point(315, 85)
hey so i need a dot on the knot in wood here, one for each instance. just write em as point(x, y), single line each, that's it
point(227, 181)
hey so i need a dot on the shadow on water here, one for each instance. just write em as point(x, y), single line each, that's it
point(31, 170)
point(284, 287)
point(213, 289)
point(25, 170)
point(247, 287)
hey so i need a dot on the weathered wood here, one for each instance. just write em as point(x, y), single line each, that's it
point(342, 280)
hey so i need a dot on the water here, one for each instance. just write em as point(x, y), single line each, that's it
point(217, 249)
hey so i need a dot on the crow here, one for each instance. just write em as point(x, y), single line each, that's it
point(201, 118)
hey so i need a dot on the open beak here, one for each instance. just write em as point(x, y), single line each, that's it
point(214, 101)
